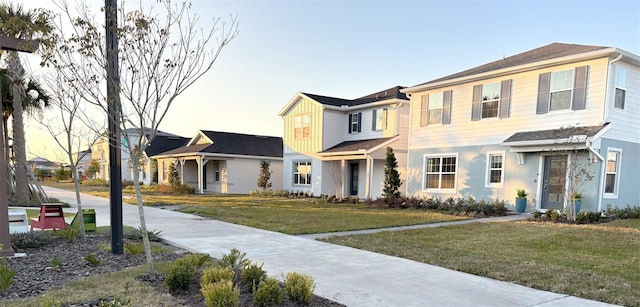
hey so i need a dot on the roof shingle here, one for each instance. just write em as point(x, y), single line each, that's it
point(391, 93)
point(554, 134)
point(234, 144)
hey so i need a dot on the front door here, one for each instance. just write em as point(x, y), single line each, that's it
point(553, 182)
point(353, 178)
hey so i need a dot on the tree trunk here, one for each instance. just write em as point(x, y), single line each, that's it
point(19, 143)
point(76, 185)
point(143, 223)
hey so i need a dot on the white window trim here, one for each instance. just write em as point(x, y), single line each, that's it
point(430, 107)
point(573, 80)
point(424, 172)
point(618, 85)
point(293, 173)
point(613, 195)
point(488, 184)
point(354, 123)
point(302, 126)
point(482, 101)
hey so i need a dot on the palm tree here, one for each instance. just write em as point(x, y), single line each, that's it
point(17, 22)
point(35, 100)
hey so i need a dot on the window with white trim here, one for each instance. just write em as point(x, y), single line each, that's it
point(302, 126)
point(436, 102)
point(379, 119)
point(440, 172)
point(302, 173)
point(490, 100)
point(621, 88)
point(612, 172)
point(495, 169)
point(561, 88)
point(355, 122)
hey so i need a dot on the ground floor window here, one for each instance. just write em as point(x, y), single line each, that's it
point(440, 172)
point(613, 168)
point(302, 173)
point(495, 169)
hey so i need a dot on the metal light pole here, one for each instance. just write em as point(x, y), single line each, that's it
point(20, 45)
point(113, 101)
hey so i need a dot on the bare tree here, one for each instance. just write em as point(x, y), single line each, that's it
point(72, 128)
point(337, 175)
point(160, 57)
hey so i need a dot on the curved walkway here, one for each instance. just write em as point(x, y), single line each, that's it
point(349, 276)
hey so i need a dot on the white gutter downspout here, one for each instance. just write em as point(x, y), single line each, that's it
point(608, 93)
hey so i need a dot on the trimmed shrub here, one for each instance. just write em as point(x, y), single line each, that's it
point(216, 274)
point(268, 293)
point(32, 239)
point(251, 275)
point(180, 276)
point(299, 287)
point(585, 217)
point(623, 213)
point(220, 294)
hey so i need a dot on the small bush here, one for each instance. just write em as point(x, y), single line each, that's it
point(254, 193)
point(136, 235)
point(537, 214)
point(69, 234)
point(32, 239)
point(49, 300)
point(554, 215)
point(268, 293)
point(92, 260)
point(299, 287)
point(95, 182)
point(180, 276)
point(197, 260)
point(251, 275)
point(134, 248)
point(623, 213)
point(221, 294)
point(235, 259)
point(6, 277)
point(216, 274)
point(56, 262)
point(585, 217)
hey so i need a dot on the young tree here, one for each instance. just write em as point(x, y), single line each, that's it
point(264, 176)
point(154, 170)
point(392, 180)
point(174, 176)
point(28, 25)
point(93, 169)
point(160, 56)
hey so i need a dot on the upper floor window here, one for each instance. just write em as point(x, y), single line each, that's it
point(302, 173)
point(302, 126)
point(355, 122)
point(379, 119)
point(621, 87)
point(491, 100)
point(562, 90)
point(435, 108)
point(613, 168)
point(440, 172)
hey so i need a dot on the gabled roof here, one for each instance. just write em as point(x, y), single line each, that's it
point(165, 142)
point(361, 145)
point(233, 144)
point(548, 52)
point(555, 134)
point(388, 94)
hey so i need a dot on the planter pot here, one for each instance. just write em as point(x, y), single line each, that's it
point(521, 204)
point(578, 205)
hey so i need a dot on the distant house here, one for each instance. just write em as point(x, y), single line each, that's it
point(162, 142)
point(84, 160)
point(518, 122)
point(42, 164)
point(336, 146)
point(223, 162)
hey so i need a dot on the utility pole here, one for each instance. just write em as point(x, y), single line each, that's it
point(113, 102)
point(20, 45)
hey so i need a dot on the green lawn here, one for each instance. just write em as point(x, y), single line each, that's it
point(595, 262)
point(291, 216)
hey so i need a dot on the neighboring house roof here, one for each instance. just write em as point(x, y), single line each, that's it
point(541, 54)
point(364, 145)
point(555, 134)
point(42, 162)
point(163, 143)
point(233, 144)
point(391, 93)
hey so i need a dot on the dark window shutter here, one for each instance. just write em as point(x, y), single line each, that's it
point(544, 84)
point(359, 121)
point(350, 121)
point(579, 88)
point(424, 110)
point(476, 107)
point(373, 122)
point(505, 98)
point(446, 107)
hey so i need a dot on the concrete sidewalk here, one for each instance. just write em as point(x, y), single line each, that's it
point(349, 276)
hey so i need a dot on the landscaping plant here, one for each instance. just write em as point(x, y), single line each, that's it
point(299, 287)
point(268, 293)
point(220, 294)
point(252, 275)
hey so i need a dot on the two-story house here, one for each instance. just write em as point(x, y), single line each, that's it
point(335, 146)
point(521, 122)
point(162, 142)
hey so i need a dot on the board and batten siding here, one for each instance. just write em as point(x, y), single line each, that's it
point(462, 131)
point(625, 123)
point(312, 143)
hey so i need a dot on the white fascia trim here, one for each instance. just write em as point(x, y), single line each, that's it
point(202, 135)
point(210, 156)
point(388, 102)
point(515, 69)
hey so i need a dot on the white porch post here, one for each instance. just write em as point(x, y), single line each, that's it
point(343, 162)
point(181, 160)
point(199, 172)
point(367, 188)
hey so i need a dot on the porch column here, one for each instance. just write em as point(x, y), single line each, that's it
point(343, 163)
point(199, 166)
point(181, 161)
point(367, 189)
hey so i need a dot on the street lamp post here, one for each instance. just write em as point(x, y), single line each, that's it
point(20, 45)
